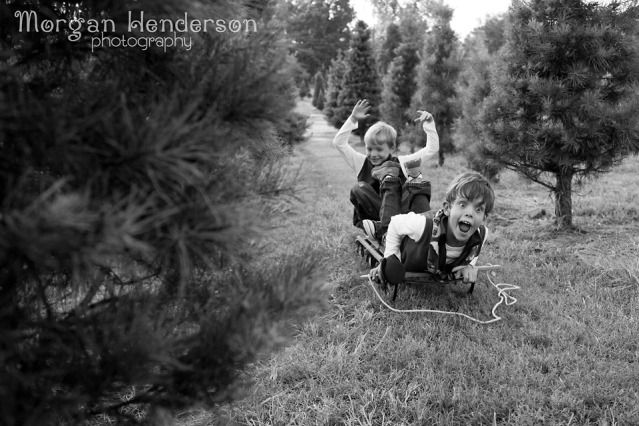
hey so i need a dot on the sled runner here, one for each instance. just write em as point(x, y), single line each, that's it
point(371, 250)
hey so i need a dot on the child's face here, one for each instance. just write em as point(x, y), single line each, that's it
point(464, 217)
point(378, 153)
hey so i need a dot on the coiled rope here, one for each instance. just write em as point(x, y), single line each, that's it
point(502, 289)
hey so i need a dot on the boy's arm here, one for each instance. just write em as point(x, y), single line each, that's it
point(354, 159)
point(403, 225)
point(429, 151)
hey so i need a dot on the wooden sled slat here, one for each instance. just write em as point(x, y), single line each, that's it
point(372, 247)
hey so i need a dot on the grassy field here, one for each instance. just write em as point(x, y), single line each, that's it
point(566, 353)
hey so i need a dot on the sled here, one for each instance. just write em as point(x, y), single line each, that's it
point(373, 251)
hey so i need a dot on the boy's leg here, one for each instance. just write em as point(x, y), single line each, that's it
point(390, 191)
point(416, 196)
point(366, 202)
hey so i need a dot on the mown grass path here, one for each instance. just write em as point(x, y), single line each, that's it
point(566, 353)
point(329, 171)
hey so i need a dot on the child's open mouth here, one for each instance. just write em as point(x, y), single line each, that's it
point(464, 226)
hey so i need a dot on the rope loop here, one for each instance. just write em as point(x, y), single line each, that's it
point(502, 291)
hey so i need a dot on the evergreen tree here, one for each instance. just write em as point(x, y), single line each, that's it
point(319, 91)
point(480, 51)
point(399, 83)
point(334, 85)
point(301, 78)
point(129, 179)
point(437, 77)
point(404, 22)
point(360, 79)
point(399, 87)
point(564, 99)
point(385, 10)
point(319, 29)
point(493, 32)
point(392, 40)
point(413, 23)
point(304, 89)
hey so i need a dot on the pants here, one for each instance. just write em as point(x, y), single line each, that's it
point(393, 198)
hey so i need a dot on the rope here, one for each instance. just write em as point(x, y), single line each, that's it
point(504, 298)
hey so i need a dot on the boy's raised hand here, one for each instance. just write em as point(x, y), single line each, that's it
point(423, 116)
point(360, 110)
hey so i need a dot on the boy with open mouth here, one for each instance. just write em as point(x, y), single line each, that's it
point(446, 246)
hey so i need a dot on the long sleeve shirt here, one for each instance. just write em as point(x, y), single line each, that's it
point(355, 159)
point(409, 225)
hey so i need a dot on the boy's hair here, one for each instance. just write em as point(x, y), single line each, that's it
point(381, 133)
point(471, 186)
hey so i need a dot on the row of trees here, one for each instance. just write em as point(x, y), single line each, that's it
point(413, 66)
point(130, 184)
point(549, 90)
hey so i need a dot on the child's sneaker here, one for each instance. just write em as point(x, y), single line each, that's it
point(413, 169)
point(418, 182)
point(386, 169)
point(370, 228)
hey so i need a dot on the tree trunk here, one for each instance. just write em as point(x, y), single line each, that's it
point(563, 198)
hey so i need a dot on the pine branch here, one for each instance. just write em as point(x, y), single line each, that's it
point(516, 167)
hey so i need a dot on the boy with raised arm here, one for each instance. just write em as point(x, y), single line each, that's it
point(386, 184)
point(446, 246)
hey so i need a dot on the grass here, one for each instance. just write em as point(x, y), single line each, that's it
point(566, 353)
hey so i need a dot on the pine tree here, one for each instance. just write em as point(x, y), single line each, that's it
point(399, 87)
point(392, 40)
point(319, 91)
point(399, 83)
point(304, 89)
point(413, 24)
point(493, 32)
point(437, 77)
point(129, 180)
point(319, 29)
point(385, 11)
point(334, 85)
point(564, 99)
point(360, 79)
point(480, 51)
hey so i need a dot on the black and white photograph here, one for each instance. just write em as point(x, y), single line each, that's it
point(319, 212)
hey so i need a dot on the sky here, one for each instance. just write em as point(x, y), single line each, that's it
point(468, 14)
